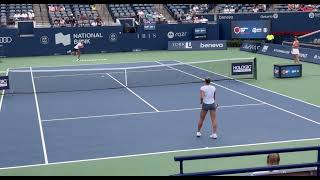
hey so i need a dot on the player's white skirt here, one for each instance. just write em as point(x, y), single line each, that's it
point(295, 51)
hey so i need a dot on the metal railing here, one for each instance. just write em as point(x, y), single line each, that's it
point(181, 159)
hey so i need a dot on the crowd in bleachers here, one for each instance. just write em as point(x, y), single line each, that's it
point(304, 7)
point(242, 8)
point(143, 13)
point(74, 15)
point(189, 13)
point(78, 15)
point(10, 13)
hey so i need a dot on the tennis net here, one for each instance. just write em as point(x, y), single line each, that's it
point(162, 73)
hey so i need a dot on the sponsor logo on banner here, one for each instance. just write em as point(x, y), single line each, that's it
point(147, 36)
point(316, 57)
point(270, 16)
point(241, 30)
point(250, 46)
point(256, 30)
point(265, 48)
point(211, 45)
point(314, 15)
point(171, 34)
point(283, 51)
point(242, 68)
point(65, 40)
point(4, 82)
point(5, 40)
point(197, 45)
point(113, 37)
point(44, 40)
point(225, 17)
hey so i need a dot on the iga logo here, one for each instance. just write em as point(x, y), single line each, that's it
point(65, 40)
point(44, 40)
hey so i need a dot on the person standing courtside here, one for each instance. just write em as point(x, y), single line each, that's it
point(295, 50)
point(207, 100)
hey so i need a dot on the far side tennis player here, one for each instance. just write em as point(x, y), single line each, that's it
point(295, 49)
point(207, 100)
point(76, 49)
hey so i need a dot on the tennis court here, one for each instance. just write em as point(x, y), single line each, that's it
point(118, 121)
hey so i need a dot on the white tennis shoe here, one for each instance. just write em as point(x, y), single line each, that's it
point(214, 136)
point(198, 134)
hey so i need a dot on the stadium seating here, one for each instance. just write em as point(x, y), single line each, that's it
point(9, 10)
point(150, 14)
point(83, 13)
point(180, 11)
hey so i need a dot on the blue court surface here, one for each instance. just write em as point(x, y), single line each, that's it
point(41, 128)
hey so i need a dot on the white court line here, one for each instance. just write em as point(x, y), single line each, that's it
point(148, 112)
point(2, 93)
point(39, 119)
point(112, 63)
point(305, 118)
point(104, 73)
point(90, 60)
point(134, 93)
point(253, 85)
point(162, 152)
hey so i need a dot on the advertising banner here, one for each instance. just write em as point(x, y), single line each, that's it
point(197, 45)
point(282, 51)
point(250, 29)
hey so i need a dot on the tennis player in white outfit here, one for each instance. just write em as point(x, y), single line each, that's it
point(207, 100)
point(295, 50)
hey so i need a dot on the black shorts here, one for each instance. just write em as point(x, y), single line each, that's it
point(209, 107)
point(75, 50)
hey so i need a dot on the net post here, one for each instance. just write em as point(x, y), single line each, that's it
point(255, 68)
point(126, 77)
point(318, 161)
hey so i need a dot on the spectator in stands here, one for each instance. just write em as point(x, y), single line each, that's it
point(232, 10)
point(62, 8)
point(17, 16)
point(272, 160)
point(56, 23)
point(195, 8)
point(56, 8)
point(99, 21)
point(73, 21)
point(52, 8)
point(291, 6)
point(62, 22)
point(255, 8)
point(93, 7)
point(203, 20)
point(94, 23)
point(140, 16)
point(226, 10)
point(30, 15)
point(24, 16)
